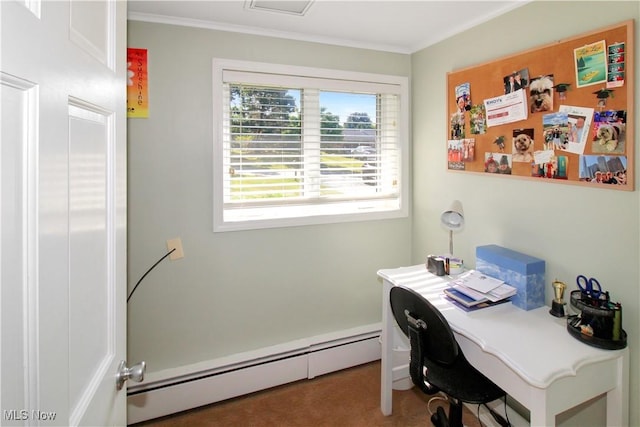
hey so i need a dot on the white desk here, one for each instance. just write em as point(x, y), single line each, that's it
point(529, 354)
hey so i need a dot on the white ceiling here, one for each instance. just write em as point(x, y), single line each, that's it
point(394, 26)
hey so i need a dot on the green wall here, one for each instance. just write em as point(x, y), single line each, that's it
point(574, 229)
point(245, 290)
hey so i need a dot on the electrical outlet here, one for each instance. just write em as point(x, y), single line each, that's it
point(177, 244)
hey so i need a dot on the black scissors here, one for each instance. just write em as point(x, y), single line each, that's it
point(591, 287)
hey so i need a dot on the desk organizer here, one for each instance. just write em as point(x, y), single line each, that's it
point(523, 272)
point(597, 325)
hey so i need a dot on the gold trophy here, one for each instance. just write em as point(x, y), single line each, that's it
point(557, 305)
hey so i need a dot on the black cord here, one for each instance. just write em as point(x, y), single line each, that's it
point(148, 271)
point(478, 416)
point(506, 413)
point(504, 422)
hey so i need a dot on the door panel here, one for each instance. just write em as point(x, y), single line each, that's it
point(89, 28)
point(90, 293)
point(17, 296)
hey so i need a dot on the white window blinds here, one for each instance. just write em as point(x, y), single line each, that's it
point(295, 146)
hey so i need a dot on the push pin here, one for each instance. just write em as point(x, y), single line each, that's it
point(562, 89)
point(602, 96)
point(499, 141)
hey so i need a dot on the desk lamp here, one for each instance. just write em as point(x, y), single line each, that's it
point(452, 219)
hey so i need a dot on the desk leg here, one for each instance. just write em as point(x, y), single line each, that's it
point(618, 398)
point(386, 336)
point(542, 419)
point(539, 410)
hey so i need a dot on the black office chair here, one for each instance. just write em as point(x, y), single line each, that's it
point(437, 362)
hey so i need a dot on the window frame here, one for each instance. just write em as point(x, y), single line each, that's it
point(323, 214)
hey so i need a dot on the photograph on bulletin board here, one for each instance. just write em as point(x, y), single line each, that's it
point(591, 64)
point(560, 113)
point(137, 83)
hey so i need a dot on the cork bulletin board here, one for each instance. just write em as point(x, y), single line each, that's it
point(559, 113)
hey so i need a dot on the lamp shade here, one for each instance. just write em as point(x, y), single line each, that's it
point(453, 218)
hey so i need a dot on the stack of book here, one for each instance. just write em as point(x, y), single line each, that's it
point(473, 290)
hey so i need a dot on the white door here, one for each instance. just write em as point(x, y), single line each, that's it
point(63, 211)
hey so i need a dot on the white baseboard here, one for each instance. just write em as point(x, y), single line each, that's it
point(209, 382)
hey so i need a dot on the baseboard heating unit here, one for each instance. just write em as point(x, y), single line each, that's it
point(175, 390)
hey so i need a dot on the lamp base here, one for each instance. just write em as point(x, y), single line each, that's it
point(557, 309)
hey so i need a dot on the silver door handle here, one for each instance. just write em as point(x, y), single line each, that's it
point(136, 373)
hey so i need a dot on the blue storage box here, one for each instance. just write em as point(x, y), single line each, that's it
point(523, 272)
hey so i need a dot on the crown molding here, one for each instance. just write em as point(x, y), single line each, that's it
point(220, 26)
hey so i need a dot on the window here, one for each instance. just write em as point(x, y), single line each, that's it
point(295, 146)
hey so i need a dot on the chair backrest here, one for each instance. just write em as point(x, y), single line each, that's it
point(440, 344)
